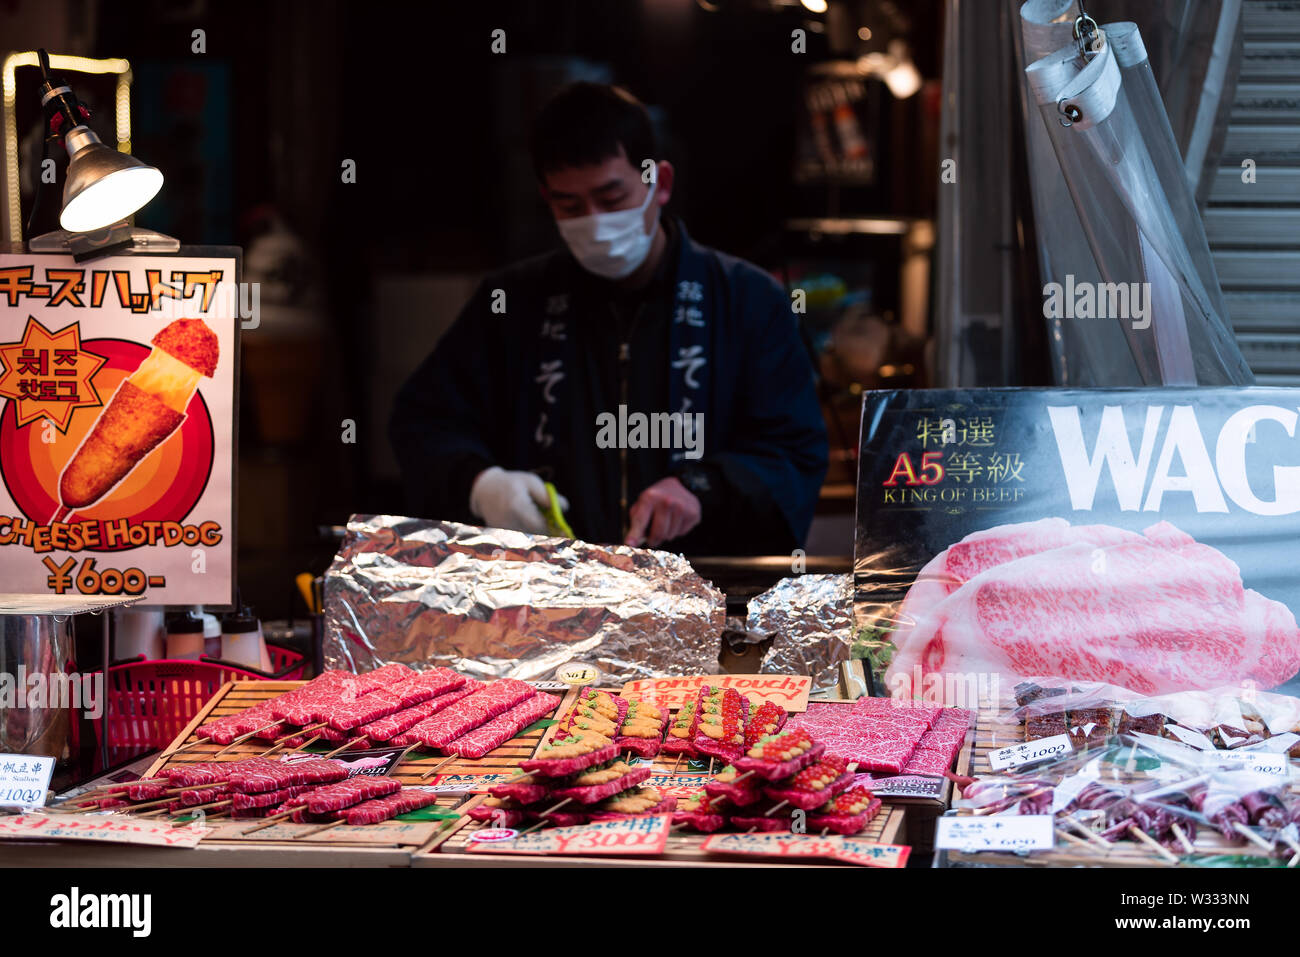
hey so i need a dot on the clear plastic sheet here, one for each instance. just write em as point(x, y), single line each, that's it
point(811, 620)
point(496, 603)
point(1121, 165)
point(1088, 353)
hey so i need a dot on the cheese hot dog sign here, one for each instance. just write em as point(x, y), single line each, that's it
point(117, 384)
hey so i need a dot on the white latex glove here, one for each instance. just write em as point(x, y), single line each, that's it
point(511, 500)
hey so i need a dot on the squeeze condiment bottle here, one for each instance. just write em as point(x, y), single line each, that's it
point(242, 642)
point(185, 636)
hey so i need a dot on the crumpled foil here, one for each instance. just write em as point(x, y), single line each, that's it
point(811, 619)
point(502, 604)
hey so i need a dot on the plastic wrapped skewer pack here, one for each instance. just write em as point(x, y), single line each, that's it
point(1092, 712)
point(1154, 794)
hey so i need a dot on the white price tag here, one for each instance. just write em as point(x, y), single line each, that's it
point(24, 779)
point(1030, 751)
point(1009, 832)
point(1265, 762)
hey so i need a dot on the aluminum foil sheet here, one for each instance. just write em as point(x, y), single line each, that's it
point(811, 620)
point(497, 603)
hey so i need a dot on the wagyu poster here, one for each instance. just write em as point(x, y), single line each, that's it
point(117, 422)
point(1149, 539)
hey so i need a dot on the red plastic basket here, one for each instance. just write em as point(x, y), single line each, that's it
point(150, 702)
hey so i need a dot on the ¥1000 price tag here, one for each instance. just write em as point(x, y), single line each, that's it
point(1030, 751)
point(1008, 832)
point(24, 779)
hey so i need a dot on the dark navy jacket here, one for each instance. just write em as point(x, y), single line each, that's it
point(534, 357)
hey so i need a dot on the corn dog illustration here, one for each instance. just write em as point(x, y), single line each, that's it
point(147, 407)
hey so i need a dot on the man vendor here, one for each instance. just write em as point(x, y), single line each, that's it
point(661, 385)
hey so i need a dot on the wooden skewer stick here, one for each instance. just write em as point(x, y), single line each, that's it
point(1151, 842)
point(741, 777)
point(823, 833)
point(1294, 861)
point(556, 807)
point(306, 744)
point(185, 747)
point(1251, 836)
point(343, 747)
point(678, 761)
point(1066, 835)
point(244, 737)
point(1088, 833)
point(710, 765)
point(1182, 839)
point(202, 807)
point(317, 830)
point(679, 826)
point(752, 829)
point(773, 810)
point(274, 819)
point(542, 823)
point(165, 799)
point(445, 761)
point(402, 757)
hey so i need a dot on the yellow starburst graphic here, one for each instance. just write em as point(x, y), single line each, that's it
point(48, 376)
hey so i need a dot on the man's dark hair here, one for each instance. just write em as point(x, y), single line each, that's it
point(586, 123)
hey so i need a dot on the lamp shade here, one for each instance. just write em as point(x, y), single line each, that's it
point(103, 186)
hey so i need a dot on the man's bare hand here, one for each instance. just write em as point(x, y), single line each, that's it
point(666, 509)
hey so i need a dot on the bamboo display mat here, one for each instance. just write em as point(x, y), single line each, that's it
point(674, 775)
point(683, 848)
point(992, 732)
point(466, 781)
point(238, 696)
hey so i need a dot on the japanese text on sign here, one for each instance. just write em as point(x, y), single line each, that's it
point(633, 835)
point(1012, 832)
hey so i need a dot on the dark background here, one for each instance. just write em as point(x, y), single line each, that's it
point(251, 135)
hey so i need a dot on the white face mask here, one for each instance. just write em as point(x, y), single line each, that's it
point(611, 245)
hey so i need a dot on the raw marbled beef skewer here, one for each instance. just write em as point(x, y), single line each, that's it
point(814, 785)
point(243, 802)
point(599, 789)
point(726, 785)
point(701, 812)
point(385, 808)
point(781, 754)
point(524, 790)
point(503, 727)
point(643, 729)
point(405, 739)
point(562, 757)
point(764, 719)
point(680, 738)
point(393, 674)
point(638, 803)
point(472, 711)
point(720, 732)
point(846, 813)
point(201, 772)
point(202, 795)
